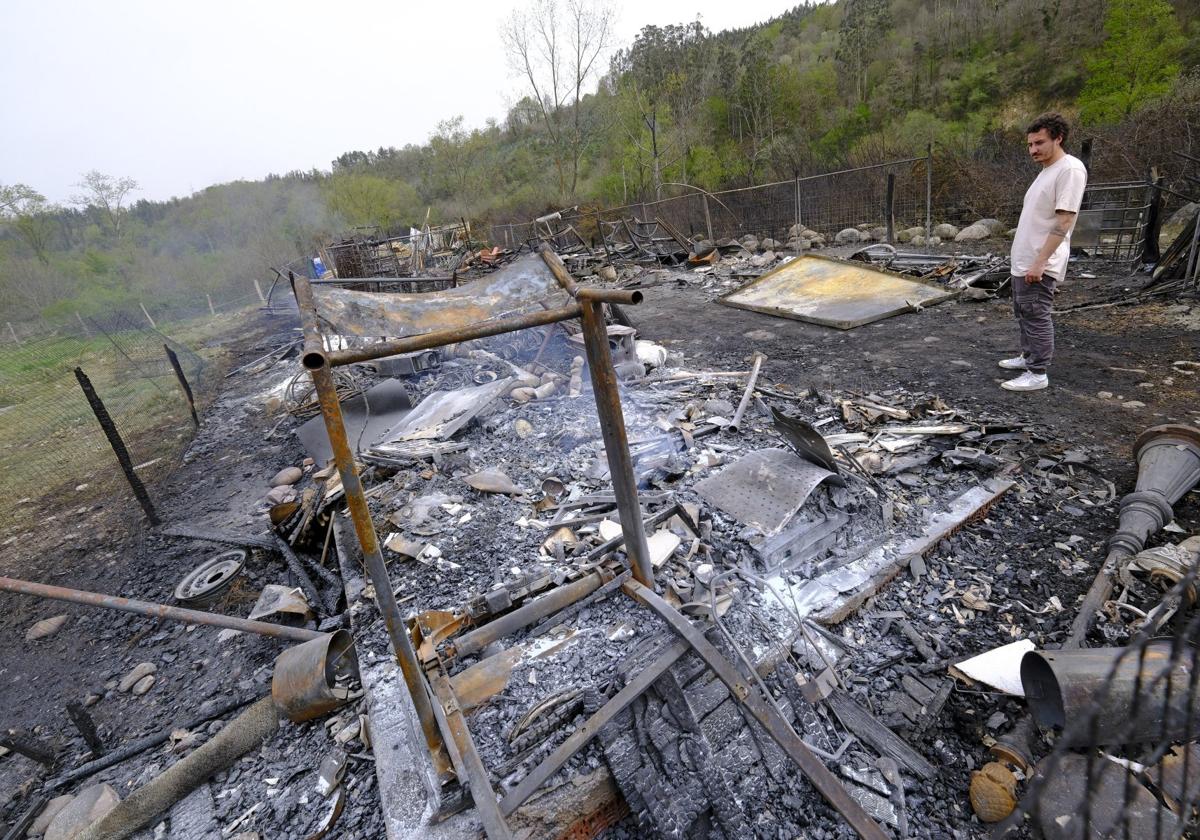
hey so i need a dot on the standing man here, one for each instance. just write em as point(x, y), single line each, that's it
point(1041, 247)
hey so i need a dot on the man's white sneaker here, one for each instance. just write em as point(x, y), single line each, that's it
point(1015, 363)
point(1027, 381)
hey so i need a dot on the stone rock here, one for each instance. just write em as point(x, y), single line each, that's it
point(1104, 395)
point(279, 495)
point(847, 236)
point(45, 628)
point(1133, 404)
point(750, 242)
point(917, 240)
point(935, 240)
point(879, 233)
point(865, 236)
point(523, 428)
point(973, 233)
point(703, 248)
point(796, 231)
point(141, 670)
point(761, 260)
point(607, 273)
point(1173, 227)
point(945, 231)
point(287, 476)
point(48, 814)
point(143, 685)
point(90, 805)
point(718, 408)
point(996, 226)
point(770, 244)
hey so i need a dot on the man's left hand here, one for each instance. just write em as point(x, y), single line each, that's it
point(1034, 274)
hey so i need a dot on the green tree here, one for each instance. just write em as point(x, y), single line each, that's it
point(105, 195)
point(1136, 63)
point(360, 199)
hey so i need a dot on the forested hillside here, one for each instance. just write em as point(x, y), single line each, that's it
point(820, 87)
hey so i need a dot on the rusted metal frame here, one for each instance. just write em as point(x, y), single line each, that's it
point(767, 716)
point(537, 609)
point(592, 726)
point(160, 611)
point(612, 421)
point(315, 353)
point(679, 238)
point(482, 793)
point(364, 527)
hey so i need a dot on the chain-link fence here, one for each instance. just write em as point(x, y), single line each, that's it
point(54, 454)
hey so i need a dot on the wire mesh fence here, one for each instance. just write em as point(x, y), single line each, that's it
point(910, 194)
point(54, 455)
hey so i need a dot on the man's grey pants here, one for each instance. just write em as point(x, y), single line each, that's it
point(1032, 303)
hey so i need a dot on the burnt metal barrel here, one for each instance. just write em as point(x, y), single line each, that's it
point(1108, 696)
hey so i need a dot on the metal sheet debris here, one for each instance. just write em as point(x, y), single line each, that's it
point(367, 417)
point(833, 293)
point(522, 283)
point(764, 489)
point(443, 413)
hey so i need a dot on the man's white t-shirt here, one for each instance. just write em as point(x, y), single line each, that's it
point(1058, 186)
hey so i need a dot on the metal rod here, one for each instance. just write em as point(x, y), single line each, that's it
point(767, 715)
point(118, 446)
point(538, 608)
point(735, 424)
point(131, 749)
point(482, 794)
point(314, 352)
point(592, 726)
point(364, 527)
point(616, 441)
point(183, 383)
point(160, 611)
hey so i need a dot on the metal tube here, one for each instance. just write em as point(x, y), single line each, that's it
point(160, 611)
point(736, 423)
point(616, 441)
point(610, 295)
point(535, 610)
point(313, 353)
point(364, 527)
point(1116, 695)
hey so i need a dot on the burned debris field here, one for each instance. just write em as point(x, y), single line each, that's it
point(571, 543)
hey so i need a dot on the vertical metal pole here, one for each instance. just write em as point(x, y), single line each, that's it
point(364, 528)
point(707, 217)
point(616, 441)
point(153, 325)
point(928, 193)
point(889, 209)
point(118, 446)
point(183, 383)
point(798, 198)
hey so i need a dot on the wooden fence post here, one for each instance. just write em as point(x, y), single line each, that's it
point(707, 217)
point(153, 325)
point(211, 311)
point(183, 383)
point(258, 289)
point(118, 446)
point(13, 333)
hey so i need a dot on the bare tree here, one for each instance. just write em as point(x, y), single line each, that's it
point(556, 47)
point(14, 198)
point(107, 194)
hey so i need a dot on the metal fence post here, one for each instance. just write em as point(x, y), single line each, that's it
point(798, 198)
point(183, 383)
point(118, 446)
point(889, 210)
point(928, 193)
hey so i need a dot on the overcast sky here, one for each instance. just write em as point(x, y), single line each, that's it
point(181, 94)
